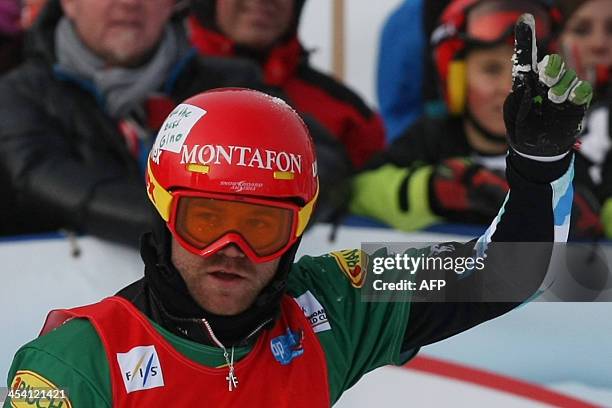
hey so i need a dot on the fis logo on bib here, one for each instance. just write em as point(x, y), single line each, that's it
point(140, 369)
point(286, 348)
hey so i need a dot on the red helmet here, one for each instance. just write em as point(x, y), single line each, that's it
point(479, 22)
point(234, 166)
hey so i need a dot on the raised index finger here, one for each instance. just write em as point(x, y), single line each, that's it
point(525, 48)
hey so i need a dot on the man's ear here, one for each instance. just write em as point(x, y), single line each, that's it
point(69, 7)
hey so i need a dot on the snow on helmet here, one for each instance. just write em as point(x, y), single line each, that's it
point(244, 151)
point(466, 23)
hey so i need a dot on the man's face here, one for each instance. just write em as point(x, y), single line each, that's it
point(122, 32)
point(225, 283)
point(257, 24)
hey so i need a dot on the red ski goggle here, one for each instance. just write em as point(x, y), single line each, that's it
point(204, 223)
point(493, 21)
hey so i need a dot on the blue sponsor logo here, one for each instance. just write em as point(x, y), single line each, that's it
point(287, 347)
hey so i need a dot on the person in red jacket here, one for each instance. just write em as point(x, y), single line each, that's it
point(266, 33)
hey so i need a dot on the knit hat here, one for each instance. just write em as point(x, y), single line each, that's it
point(10, 14)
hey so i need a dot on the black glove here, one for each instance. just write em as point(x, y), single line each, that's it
point(543, 113)
point(463, 191)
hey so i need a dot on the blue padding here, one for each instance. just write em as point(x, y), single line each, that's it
point(359, 221)
point(456, 229)
point(32, 237)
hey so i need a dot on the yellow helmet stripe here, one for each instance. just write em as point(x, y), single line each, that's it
point(305, 213)
point(162, 199)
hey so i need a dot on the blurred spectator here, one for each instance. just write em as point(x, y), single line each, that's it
point(400, 72)
point(265, 32)
point(452, 168)
point(10, 34)
point(586, 39)
point(586, 43)
point(79, 115)
point(403, 78)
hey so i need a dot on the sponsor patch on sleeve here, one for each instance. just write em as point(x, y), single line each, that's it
point(354, 263)
point(140, 369)
point(30, 389)
point(314, 311)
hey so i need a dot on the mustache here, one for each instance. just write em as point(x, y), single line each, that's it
point(231, 264)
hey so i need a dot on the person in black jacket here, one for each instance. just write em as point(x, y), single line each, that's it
point(451, 168)
point(80, 115)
